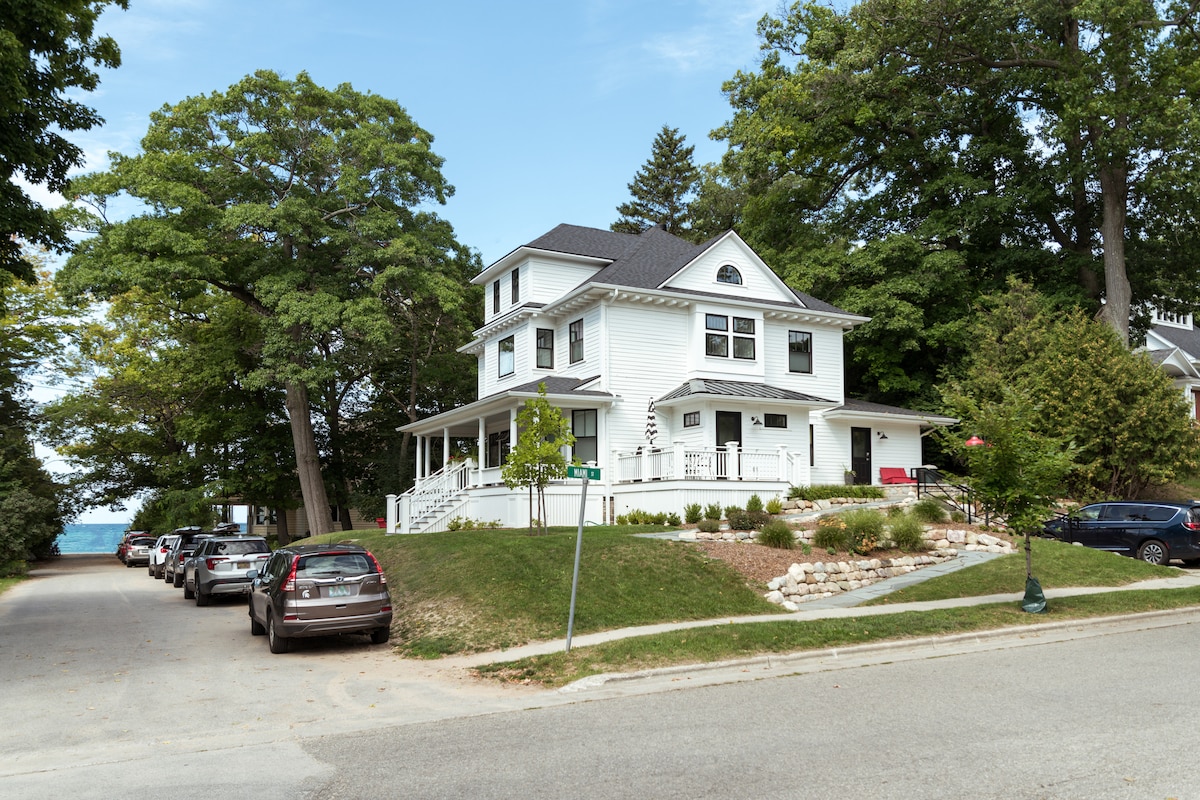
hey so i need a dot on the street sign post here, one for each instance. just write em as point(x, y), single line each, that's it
point(587, 473)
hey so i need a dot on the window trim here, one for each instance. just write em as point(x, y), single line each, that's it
point(719, 329)
point(729, 274)
point(496, 296)
point(691, 419)
point(508, 355)
point(540, 349)
point(809, 336)
point(779, 420)
point(586, 414)
point(575, 350)
point(515, 280)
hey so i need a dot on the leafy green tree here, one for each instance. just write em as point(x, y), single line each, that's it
point(48, 51)
point(1052, 141)
point(294, 200)
point(1129, 427)
point(538, 456)
point(661, 188)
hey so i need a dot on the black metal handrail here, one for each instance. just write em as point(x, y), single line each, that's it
point(931, 482)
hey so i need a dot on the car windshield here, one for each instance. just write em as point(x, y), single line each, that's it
point(326, 565)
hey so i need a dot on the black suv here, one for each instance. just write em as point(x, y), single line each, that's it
point(1155, 532)
point(317, 590)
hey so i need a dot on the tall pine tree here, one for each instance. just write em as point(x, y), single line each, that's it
point(661, 188)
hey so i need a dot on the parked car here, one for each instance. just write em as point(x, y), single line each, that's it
point(220, 565)
point(123, 545)
point(1155, 532)
point(179, 552)
point(317, 590)
point(137, 551)
point(158, 554)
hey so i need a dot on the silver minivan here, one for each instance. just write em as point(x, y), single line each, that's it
point(318, 590)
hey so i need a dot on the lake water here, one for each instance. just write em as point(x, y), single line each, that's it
point(92, 538)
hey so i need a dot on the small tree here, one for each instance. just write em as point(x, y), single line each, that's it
point(538, 457)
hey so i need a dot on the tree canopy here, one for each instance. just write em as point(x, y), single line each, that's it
point(307, 206)
point(48, 49)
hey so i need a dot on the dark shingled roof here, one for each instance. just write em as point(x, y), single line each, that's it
point(759, 391)
point(556, 384)
point(1187, 340)
point(642, 261)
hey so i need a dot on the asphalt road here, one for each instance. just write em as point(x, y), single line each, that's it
point(113, 686)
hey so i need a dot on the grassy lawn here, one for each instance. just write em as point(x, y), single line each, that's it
point(470, 591)
point(1055, 564)
point(473, 591)
point(722, 642)
point(8, 583)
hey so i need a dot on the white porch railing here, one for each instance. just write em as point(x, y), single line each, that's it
point(429, 499)
point(680, 462)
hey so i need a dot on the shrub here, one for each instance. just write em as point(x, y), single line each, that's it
point(826, 491)
point(708, 525)
point(747, 520)
point(712, 511)
point(958, 516)
point(755, 503)
point(622, 519)
point(864, 529)
point(777, 534)
point(731, 510)
point(830, 534)
point(673, 520)
point(929, 511)
point(692, 513)
point(774, 506)
point(907, 533)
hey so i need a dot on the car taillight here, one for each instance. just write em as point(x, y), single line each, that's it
point(1192, 526)
point(212, 562)
point(289, 585)
point(379, 569)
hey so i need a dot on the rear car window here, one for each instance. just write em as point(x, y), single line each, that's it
point(1158, 513)
point(239, 548)
point(326, 565)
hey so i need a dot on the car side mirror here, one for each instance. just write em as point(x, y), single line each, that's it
point(252, 574)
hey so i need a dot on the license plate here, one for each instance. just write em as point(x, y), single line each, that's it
point(339, 591)
point(243, 565)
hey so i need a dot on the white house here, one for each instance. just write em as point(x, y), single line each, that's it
point(689, 373)
point(1174, 343)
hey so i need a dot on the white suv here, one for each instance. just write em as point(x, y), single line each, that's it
point(158, 554)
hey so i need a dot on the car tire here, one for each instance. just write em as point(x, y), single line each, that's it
point(381, 635)
point(150, 570)
point(1153, 551)
point(158, 571)
point(177, 580)
point(188, 594)
point(277, 643)
point(202, 599)
point(128, 564)
point(256, 627)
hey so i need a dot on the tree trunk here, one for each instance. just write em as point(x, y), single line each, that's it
point(1114, 192)
point(282, 535)
point(308, 462)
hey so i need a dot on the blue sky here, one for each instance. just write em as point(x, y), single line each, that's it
point(543, 111)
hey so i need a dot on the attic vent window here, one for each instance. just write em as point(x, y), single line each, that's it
point(729, 274)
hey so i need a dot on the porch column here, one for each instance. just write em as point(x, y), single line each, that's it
point(482, 449)
point(419, 466)
point(512, 429)
point(426, 452)
point(733, 462)
point(445, 447)
point(783, 464)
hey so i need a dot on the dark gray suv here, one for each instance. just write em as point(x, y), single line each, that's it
point(318, 590)
point(1152, 531)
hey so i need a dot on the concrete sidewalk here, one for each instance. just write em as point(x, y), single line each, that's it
point(845, 605)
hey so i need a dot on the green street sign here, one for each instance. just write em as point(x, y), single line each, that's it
point(591, 473)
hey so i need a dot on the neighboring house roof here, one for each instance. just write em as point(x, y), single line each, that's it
point(1186, 339)
point(864, 408)
point(757, 391)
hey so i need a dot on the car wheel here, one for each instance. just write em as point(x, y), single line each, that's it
point(256, 627)
point(381, 635)
point(188, 594)
point(177, 580)
point(158, 571)
point(277, 643)
point(150, 570)
point(202, 599)
point(128, 564)
point(1154, 552)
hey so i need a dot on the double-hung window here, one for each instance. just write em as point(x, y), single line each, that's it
point(545, 348)
point(516, 285)
point(496, 297)
point(506, 359)
point(583, 426)
point(799, 351)
point(575, 341)
point(716, 336)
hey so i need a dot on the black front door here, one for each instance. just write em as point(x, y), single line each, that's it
point(860, 454)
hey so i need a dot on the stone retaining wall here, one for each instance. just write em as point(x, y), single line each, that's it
point(805, 582)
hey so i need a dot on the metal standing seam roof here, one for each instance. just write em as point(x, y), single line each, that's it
point(854, 406)
point(759, 391)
